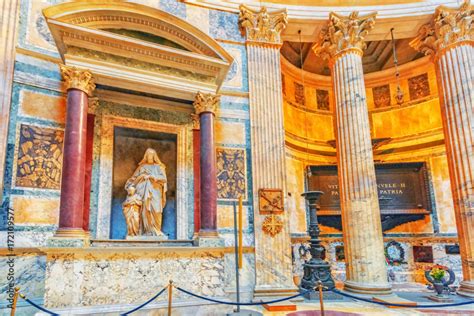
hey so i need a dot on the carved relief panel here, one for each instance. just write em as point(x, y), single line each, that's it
point(419, 86)
point(322, 99)
point(40, 155)
point(299, 93)
point(381, 96)
point(231, 173)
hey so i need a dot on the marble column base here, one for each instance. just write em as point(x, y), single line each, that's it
point(368, 289)
point(466, 288)
point(210, 241)
point(68, 242)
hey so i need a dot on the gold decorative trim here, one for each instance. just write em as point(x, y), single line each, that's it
point(449, 26)
point(206, 102)
point(272, 225)
point(262, 27)
point(344, 32)
point(77, 79)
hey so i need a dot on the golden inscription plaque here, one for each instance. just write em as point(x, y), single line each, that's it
point(270, 201)
point(272, 225)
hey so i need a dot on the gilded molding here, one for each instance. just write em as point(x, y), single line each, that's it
point(78, 79)
point(344, 33)
point(261, 26)
point(447, 28)
point(206, 102)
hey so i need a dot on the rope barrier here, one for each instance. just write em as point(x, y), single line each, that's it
point(146, 303)
point(401, 305)
point(241, 304)
point(37, 306)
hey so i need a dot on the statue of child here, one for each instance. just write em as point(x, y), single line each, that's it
point(131, 211)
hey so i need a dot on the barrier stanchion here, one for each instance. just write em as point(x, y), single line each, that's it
point(321, 303)
point(15, 301)
point(170, 296)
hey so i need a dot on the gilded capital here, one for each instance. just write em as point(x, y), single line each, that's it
point(77, 79)
point(448, 26)
point(206, 102)
point(262, 26)
point(196, 121)
point(344, 33)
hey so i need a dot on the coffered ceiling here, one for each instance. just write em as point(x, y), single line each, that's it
point(378, 55)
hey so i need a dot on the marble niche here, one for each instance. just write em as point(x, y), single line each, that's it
point(123, 144)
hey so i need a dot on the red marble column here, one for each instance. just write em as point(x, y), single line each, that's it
point(205, 105)
point(79, 84)
point(197, 174)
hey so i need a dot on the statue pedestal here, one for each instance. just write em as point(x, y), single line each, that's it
point(146, 238)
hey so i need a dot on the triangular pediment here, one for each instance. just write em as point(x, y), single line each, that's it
point(131, 46)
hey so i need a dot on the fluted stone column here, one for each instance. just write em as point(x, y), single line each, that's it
point(205, 106)
point(343, 44)
point(273, 265)
point(449, 40)
point(79, 85)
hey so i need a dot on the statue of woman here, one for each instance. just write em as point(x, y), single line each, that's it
point(149, 180)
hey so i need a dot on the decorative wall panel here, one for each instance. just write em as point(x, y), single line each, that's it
point(322, 97)
point(381, 96)
point(40, 154)
point(419, 86)
point(231, 173)
point(299, 93)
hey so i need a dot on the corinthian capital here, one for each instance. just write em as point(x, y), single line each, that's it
point(77, 79)
point(344, 32)
point(448, 26)
point(261, 26)
point(206, 103)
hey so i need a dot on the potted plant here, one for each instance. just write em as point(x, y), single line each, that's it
point(436, 275)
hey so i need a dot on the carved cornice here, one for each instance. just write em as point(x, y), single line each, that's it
point(206, 102)
point(78, 79)
point(448, 27)
point(344, 33)
point(262, 26)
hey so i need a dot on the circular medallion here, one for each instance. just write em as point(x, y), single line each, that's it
point(272, 225)
point(394, 253)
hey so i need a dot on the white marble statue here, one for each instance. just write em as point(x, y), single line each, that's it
point(149, 183)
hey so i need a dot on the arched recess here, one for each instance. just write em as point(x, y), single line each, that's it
point(135, 47)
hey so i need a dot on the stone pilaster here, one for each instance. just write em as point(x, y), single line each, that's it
point(449, 39)
point(8, 28)
point(79, 85)
point(343, 43)
point(272, 253)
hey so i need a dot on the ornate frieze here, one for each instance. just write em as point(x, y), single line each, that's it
point(206, 102)
point(77, 79)
point(262, 26)
point(448, 26)
point(343, 33)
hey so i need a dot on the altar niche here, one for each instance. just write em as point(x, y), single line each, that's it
point(130, 145)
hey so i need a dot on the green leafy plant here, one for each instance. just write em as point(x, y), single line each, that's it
point(437, 274)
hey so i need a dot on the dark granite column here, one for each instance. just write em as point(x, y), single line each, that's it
point(79, 84)
point(205, 106)
point(197, 173)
